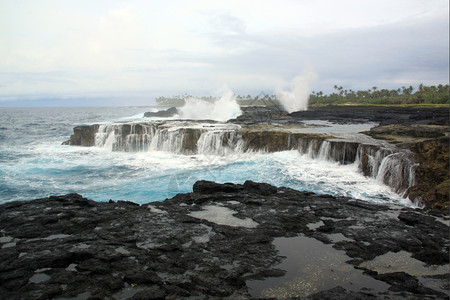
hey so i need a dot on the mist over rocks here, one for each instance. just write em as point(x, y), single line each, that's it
point(68, 246)
point(294, 95)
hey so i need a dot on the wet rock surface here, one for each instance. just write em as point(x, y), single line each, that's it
point(212, 243)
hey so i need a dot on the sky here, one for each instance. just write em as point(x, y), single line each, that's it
point(102, 52)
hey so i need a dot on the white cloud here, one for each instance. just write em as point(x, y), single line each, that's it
point(67, 47)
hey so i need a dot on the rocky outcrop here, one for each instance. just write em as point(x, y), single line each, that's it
point(430, 147)
point(275, 139)
point(343, 114)
point(271, 114)
point(83, 136)
point(222, 241)
point(170, 112)
point(185, 138)
point(433, 188)
point(404, 133)
point(384, 115)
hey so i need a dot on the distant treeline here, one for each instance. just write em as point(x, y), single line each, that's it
point(179, 100)
point(261, 99)
point(405, 95)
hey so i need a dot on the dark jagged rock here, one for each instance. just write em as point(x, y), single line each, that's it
point(342, 114)
point(83, 136)
point(272, 114)
point(209, 187)
point(425, 132)
point(385, 115)
point(213, 243)
point(433, 186)
point(400, 133)
point(170, 112)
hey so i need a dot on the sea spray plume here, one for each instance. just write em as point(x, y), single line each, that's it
point(296, 96)
point(221, 109)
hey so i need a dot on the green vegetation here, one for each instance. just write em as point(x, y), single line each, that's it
point(260, 100)
point(424, 95)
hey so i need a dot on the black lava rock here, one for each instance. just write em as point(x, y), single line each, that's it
point(207, 244)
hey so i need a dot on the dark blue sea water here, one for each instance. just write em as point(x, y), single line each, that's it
point(34, 164)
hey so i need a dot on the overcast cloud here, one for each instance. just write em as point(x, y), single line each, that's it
point(136, 50)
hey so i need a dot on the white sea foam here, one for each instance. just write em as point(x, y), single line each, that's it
point(101, 174)
point(221, 109)
point(34, 164)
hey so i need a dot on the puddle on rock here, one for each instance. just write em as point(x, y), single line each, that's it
point(126, 293)
point(403, 262)
point(72, 268)
point(311, 266)
point(38, 278)
point(314, 226)
point(6, 239)
point(82, 296)
point(222, 216)
point(438, 284)
point(338, 237)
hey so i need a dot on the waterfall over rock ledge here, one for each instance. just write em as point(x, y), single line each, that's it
point(388, 164)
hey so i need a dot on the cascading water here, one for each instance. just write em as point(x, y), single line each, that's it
point(168, 140)
point(390, 166)
point(105, 136)
point(140, 140)
point(220, 143)
point(185, 138)
point(395, 169)
point(142, 160)
point(125, 137)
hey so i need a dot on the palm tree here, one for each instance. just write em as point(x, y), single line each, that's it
point(421, 87)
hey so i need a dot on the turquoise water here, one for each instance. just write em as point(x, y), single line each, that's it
point(34, 164)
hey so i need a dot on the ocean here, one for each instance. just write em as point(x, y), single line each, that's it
point(35, 164)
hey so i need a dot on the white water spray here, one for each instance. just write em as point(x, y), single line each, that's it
point(294, 95)
point(221, 109)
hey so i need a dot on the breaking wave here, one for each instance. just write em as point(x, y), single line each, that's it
point(221, 109)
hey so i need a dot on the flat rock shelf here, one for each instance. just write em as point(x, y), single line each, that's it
point(226, 241)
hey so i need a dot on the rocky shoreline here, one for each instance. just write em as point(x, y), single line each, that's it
point(226, 241)
point(420, 136)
